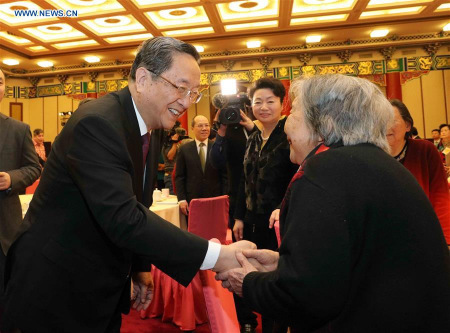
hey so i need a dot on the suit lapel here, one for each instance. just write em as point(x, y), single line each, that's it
point(134, 141)
point(196, 158)
point(150, 174)
point(4, 126)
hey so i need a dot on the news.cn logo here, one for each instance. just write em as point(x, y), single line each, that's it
point(45, 13)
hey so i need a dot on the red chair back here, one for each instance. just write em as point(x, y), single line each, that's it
point(32, 188)
point(173, 179)
point(208, 217)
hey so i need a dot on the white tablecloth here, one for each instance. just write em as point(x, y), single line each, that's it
point(166, 208)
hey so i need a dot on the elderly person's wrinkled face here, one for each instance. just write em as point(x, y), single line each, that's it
point(396, 134)
point(266, 106)
point(298, 134)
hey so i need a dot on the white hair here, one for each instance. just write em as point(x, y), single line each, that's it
point(343, 108)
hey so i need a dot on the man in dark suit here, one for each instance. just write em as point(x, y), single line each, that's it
point(19, 168)
point(88, 228)
point(195, 176)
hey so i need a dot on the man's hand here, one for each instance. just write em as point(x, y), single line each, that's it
point(263, 260)
point(184, 207)
point(142, 292)
point(238, 229)
point(5, 181)
point(222, 128)
point(234, 278)
point(246, 121)
point(227, 257)
point(274, 217)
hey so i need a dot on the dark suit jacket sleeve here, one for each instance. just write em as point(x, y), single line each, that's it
point(29, 170)
point(99, 163)
point(219, 152)
point(311, 282)
point(180, 173)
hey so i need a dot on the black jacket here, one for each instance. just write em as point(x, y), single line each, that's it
point(88, 222)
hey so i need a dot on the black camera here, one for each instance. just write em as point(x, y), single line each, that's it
point(229, 106)
point(181, 134)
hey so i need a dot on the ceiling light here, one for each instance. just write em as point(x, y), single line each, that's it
point(128, 38)
point(253, 44)
point(199, 48)
point(379, 33)
point(45, 63)
point(228, 87)
point(92, 59)
point(313, 38)
point(248, 6)
point(11, 62)
point(446, 27)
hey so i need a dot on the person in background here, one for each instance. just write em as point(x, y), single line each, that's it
point(267, 171)
point(88, 230)
point(436, 137)
point(361, 249)
point(415, 133)
point(444, 146)
point(422, 159)
point(228, 152)
point(195, 176)
point(160, 175)
point(38, 141)
point(170, 150)
point(19, 168)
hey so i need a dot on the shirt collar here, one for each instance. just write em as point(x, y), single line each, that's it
point(197, 142)
point(142, 126)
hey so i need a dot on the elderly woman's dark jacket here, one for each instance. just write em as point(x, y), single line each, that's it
point(362, 250)
point(267, 173)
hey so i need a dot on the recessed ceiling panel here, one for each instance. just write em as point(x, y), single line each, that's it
point(386, 3)
point(113, 25)
point(319, 19)
point(54, 32)
point(253, 25)
point(14, 39)
point(321, 6)
point(391, 12)
point(246, 10)
point(157, 3)
point(71, 45)
point(188, 32)
point(88, 7)
point(37, 48)
point(179, 17)
point(129, 38)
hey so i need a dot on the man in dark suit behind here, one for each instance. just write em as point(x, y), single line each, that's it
point(195, 176)
point(88, 228)
point(19, 168)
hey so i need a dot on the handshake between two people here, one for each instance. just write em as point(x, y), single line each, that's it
point(239, 259)
point(234, 263)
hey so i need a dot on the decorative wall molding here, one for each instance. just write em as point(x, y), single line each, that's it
point(374, 71)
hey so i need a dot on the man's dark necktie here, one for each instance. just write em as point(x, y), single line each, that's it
point(145, 147)
point(201, 154)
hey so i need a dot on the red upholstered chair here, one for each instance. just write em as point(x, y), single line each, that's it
point(32, 188)
point(277, 231)
point(173, 179)
point(208, 218)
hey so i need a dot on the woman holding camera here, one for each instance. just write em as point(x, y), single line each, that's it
point(267, 170)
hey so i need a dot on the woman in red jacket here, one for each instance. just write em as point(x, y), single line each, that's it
point(422, 159)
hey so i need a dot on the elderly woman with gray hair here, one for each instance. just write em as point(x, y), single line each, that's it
point(362, 249)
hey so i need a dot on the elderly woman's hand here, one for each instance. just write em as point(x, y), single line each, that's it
point(234, 278)
point(263, 260)
point(274, 217)
point(238, 229)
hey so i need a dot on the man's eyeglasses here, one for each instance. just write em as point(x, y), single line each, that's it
point(194, 96)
